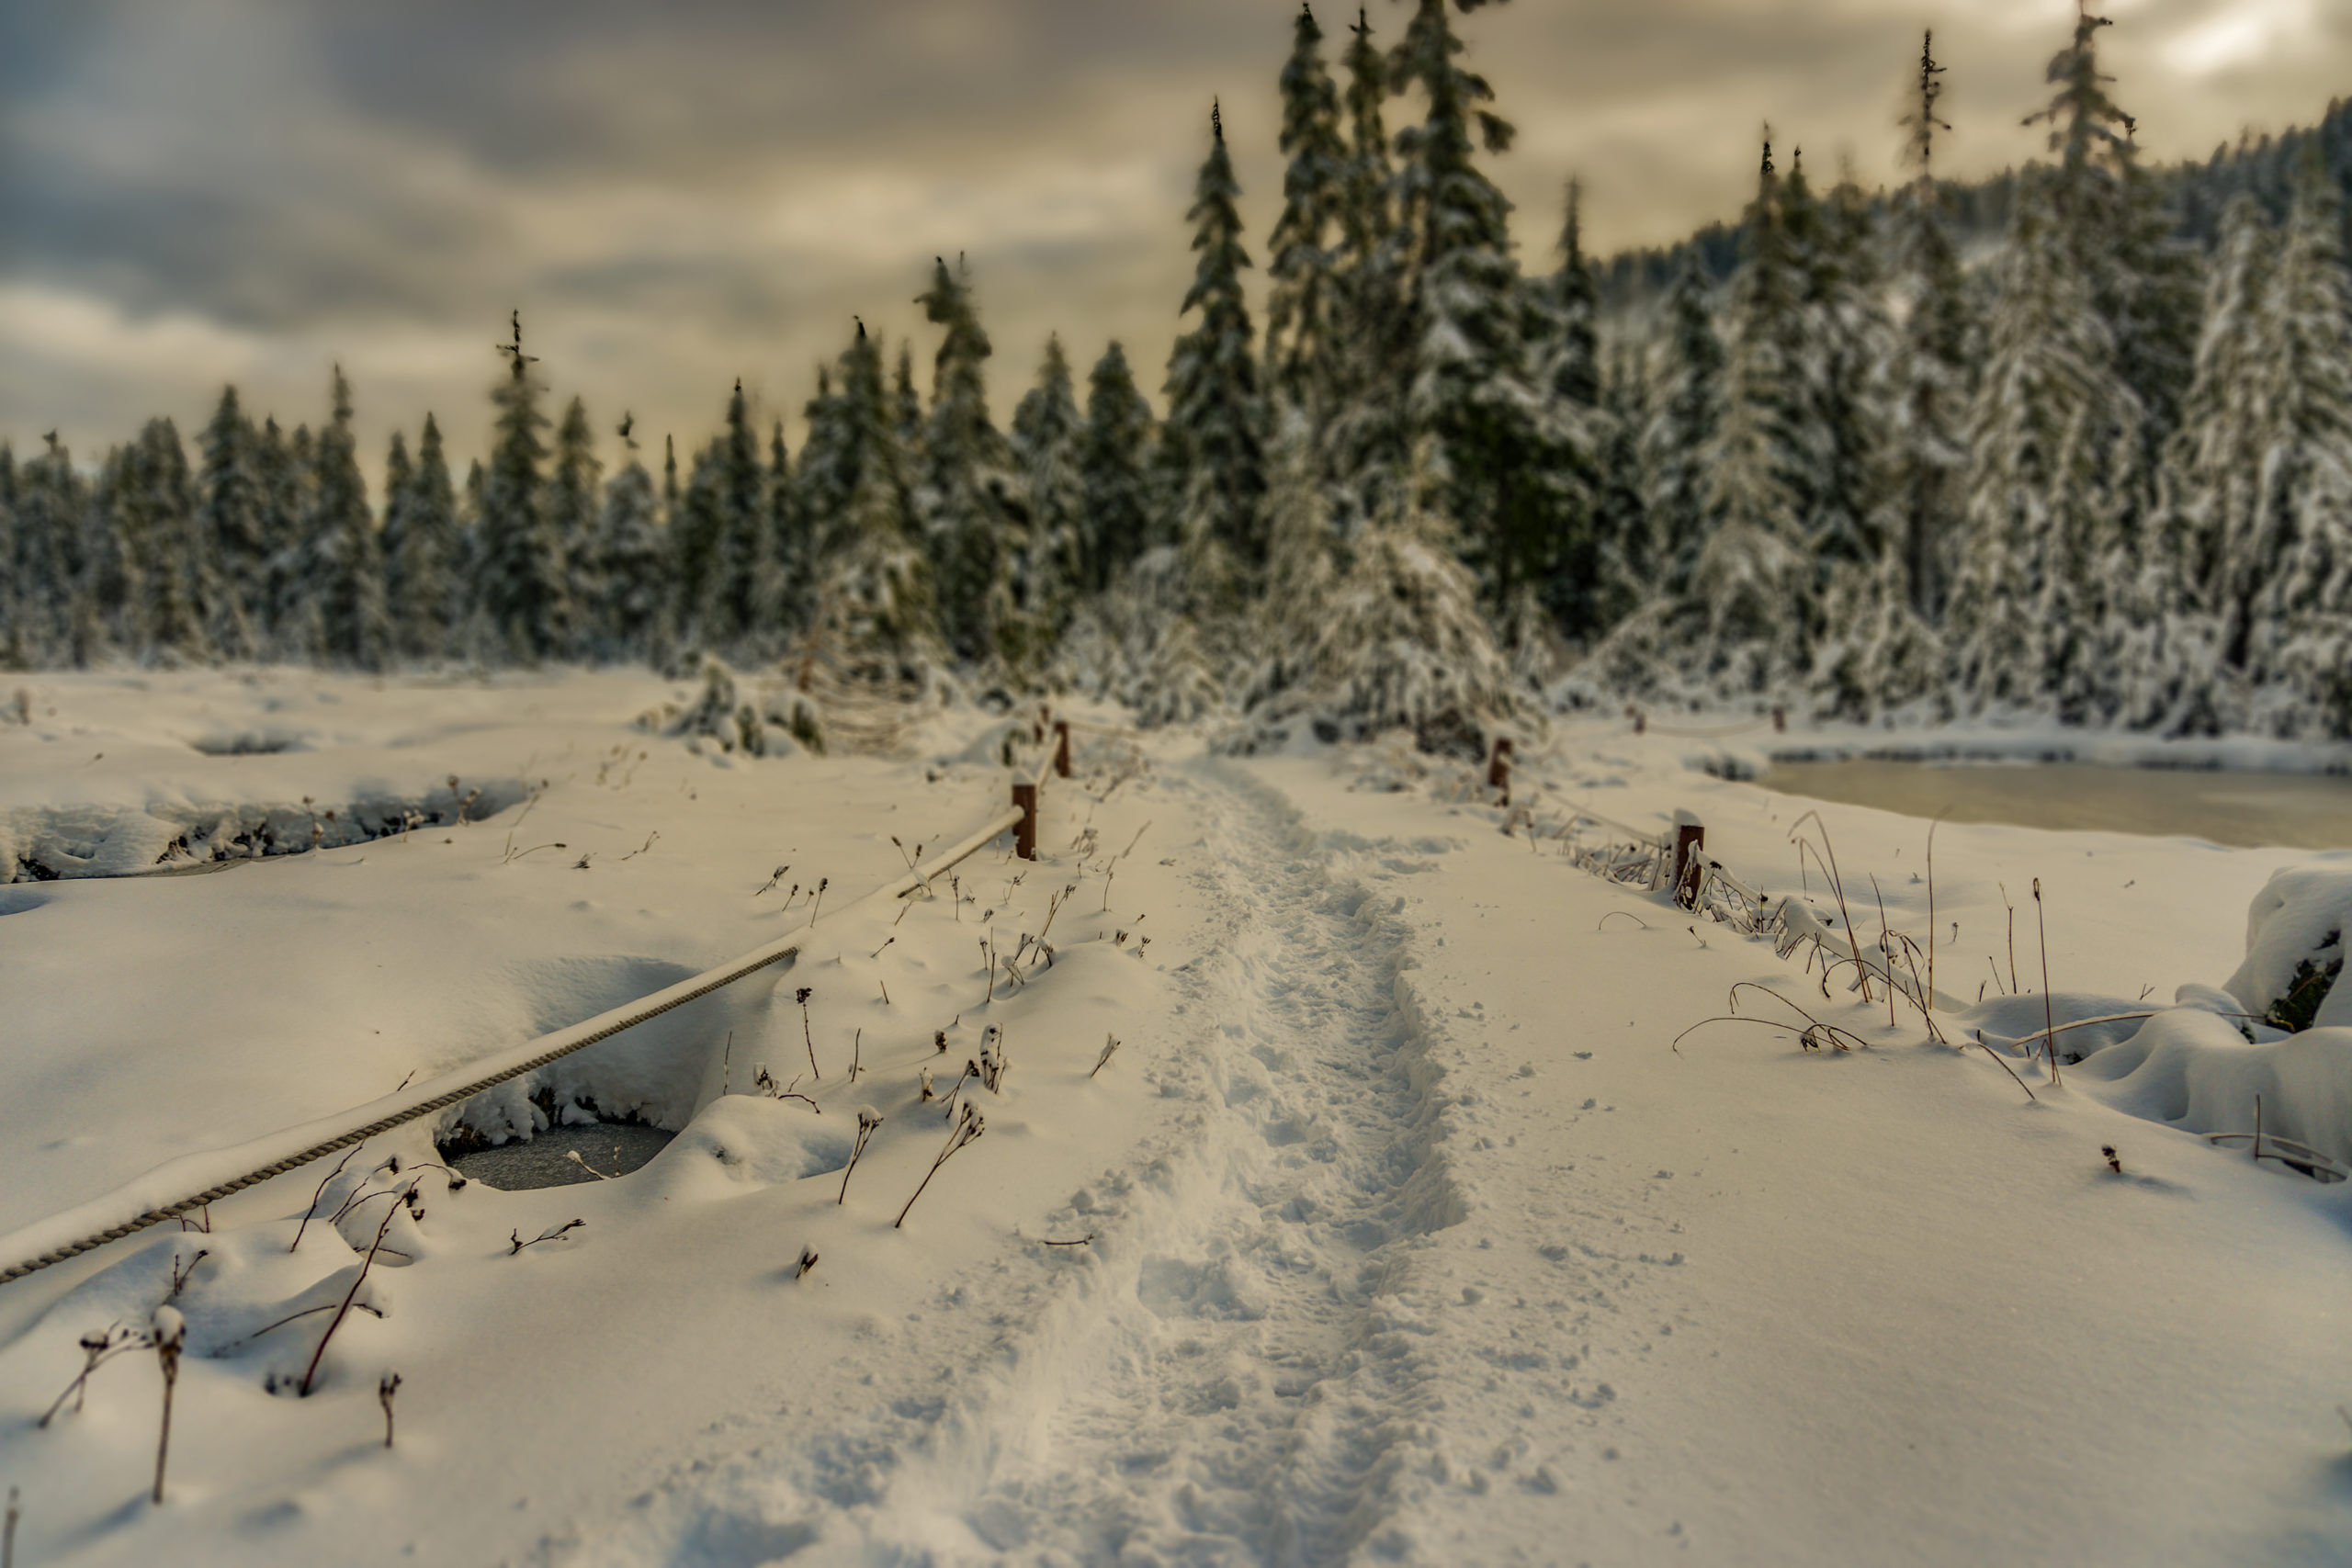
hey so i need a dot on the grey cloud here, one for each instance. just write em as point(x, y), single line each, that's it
point(677, 194)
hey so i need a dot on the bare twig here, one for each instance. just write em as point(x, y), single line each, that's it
point(312, 1371)
point(968, 1126)
point(517, 1244)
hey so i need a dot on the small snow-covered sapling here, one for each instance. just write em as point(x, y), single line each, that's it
point(868, 1119)
point(386, 1387)
point(968, 1126)
point(170, 1336)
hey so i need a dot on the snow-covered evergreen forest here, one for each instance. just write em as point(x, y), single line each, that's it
point(2076, 442)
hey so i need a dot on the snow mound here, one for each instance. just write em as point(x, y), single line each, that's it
point(2192, 1069)
point(2294, 950)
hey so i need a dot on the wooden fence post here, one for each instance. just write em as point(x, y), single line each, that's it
point(1061, 747)
point(1024, 832)
point(1499, 768)
point(1690, 838)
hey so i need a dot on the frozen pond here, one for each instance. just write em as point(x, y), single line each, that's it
point(2311, 811)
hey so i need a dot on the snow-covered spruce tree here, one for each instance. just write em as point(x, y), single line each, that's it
point(1850, 342)
point(1365, 442)
point(781, 598)
point(1115, 459)
point(1623, 572)
point(1502, 458)
point(346, 560)
point(1214, 441)
point(2053, 436)
point(877, 613)
point(2142, 282)
point(1686, 406)
point(2209, 517)
point(727, 611)
point(14, 653)
point(632, 604)
point(1179, 683)
point(1873, 653)
point(282, 464)
point(1302, 561)
point(115, 554)
point(1928, 452)
point(2296, 619)
point(1754, 576)
point(400, 481)
point(231, 515)
point(155, 504)
point(421, 591)
point(51, 499)
point(1302, 321)
point(573, 486)
point(1402, 643)
point(1049, 568)
point(520, 571)
point(697, 525)
point(968, 497)
point(1561, 328)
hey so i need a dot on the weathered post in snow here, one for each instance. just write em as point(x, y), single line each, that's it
point(1024, 832)
point(1061, 747)
point(1499, 768)
point(1779, 719)
point(1690, 838)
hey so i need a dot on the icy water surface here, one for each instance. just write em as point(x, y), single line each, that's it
point(609, 1148)
point(2311, 811)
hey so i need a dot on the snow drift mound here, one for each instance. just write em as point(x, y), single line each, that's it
point(2281, 1032)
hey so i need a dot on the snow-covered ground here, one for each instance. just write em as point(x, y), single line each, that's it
point(1397, 1228)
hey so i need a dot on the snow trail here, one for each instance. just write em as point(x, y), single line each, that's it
point(1240, 1393)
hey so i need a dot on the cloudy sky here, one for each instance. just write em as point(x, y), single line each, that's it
point(675, 194)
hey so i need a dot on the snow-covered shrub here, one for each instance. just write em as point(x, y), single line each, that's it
point(2294, 950)
point(1400, 643)
point(1179, 684)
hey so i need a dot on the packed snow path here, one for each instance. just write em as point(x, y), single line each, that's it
point(1239, 1395)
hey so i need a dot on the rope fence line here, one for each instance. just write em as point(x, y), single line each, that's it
point(180, 1186)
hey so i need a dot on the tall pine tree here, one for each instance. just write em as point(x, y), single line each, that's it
point(520, 570)
point(1303, 321)
point(1213, 439)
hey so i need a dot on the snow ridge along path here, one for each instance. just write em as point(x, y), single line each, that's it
point(1241, 1392)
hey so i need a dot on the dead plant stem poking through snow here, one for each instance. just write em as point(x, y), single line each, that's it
point(387, 1387)
point(310, 1373)
point(868, 1119)
point(969, 1125)
point(2049, 1017)
point(553, 1233)
point(8, 1526)
point(1109, 1049)
point(801, 996)
point(170, 1335)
